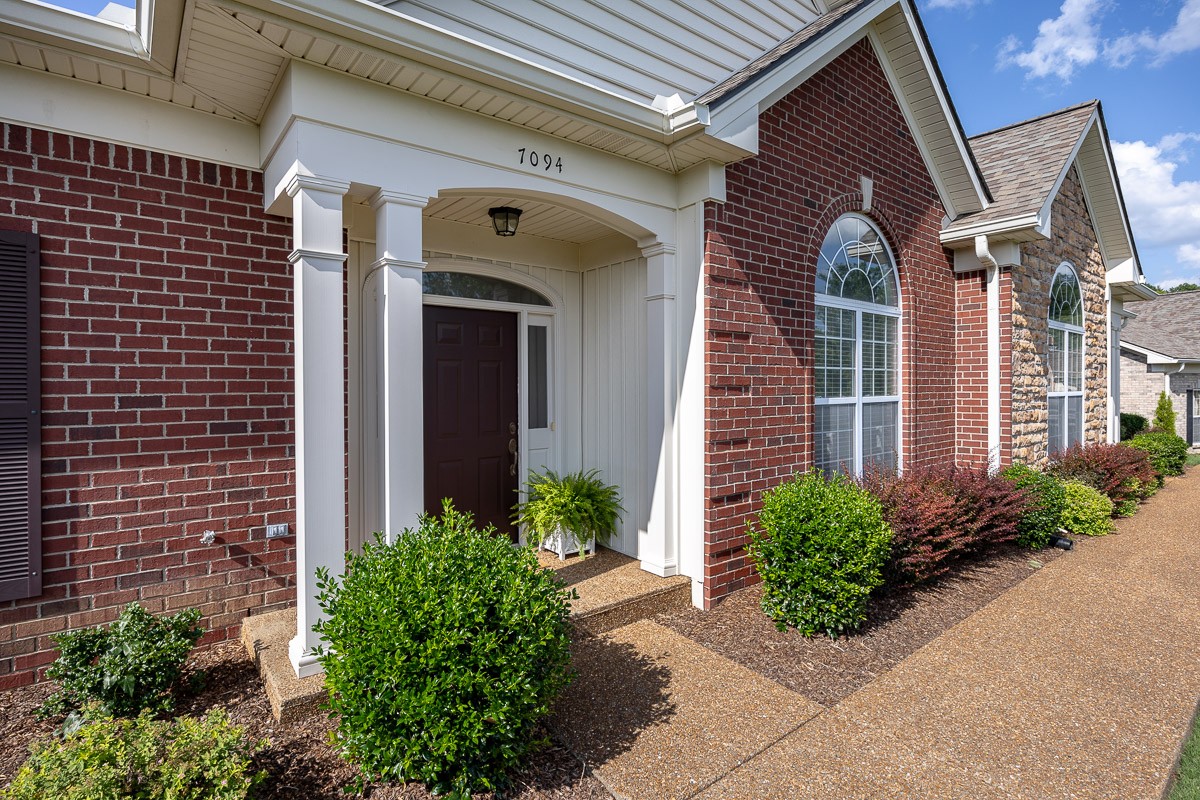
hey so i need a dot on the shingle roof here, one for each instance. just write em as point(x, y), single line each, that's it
point(1022, 162)
point(1168, 324)
point(794, 43)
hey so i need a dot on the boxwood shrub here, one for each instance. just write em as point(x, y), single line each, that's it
point(1167, 452)
point(131, 665)
point(1046, 499)
point(1087, 512)
point(142, 759)
point(1132, 424)
point(442, 651)
point(820, 546)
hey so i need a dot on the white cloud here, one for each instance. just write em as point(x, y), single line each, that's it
point(1064, 43)
point(1164, 211)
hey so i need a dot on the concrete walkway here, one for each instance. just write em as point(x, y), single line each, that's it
point(1079, 682)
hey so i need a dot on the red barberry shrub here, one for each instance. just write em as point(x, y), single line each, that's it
point(943, 514)
point(1123, 474)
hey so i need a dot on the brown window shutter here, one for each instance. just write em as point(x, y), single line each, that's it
point(20, 420)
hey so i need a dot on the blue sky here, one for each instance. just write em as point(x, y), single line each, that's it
point(1009, 60)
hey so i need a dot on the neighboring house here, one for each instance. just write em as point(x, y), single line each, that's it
point(753, 239)
point(1160, 352)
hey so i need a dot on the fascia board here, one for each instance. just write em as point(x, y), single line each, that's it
point(1112, 185)
point(410, 38)
point(1152, 356)
point(944, 101)
point(45, 24)
point(1010, 225)
point(1045, 211)
point(1129, 291)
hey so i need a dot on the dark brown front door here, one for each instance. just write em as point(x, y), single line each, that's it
point(471, 413)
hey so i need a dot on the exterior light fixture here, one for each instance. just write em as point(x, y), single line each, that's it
point(504, 220)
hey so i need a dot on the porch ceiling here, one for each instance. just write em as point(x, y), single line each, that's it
point(545, 220)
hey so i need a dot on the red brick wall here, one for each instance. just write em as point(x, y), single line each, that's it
point(971, 345)
point(166, 387)
point(761, 254)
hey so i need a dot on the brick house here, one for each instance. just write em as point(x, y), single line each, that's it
point(256, 243)
point(1160, 352)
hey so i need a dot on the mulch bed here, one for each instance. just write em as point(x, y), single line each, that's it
point(899, 623)
point(301, 762)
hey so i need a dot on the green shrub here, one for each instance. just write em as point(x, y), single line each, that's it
point(1046, 499)
point(1132, 424)
point(1164, 414)
point(578, 504)
point(442, 652)
point(820, 546)
point(1168, 452)
point(1087, 512)
point(131, 665)
point(142, 759)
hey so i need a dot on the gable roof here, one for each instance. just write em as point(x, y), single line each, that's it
point(1169, 324)
point(1024, 162)
point(895, 33)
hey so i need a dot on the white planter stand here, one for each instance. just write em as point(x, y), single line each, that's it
point(564, 545)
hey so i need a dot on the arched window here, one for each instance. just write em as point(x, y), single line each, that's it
point(1065, 351)
point(856, 375)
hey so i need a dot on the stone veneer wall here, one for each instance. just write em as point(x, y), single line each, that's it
point(1074, 241)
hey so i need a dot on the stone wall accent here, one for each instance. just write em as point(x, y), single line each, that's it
point(1074, 240)
point(761, 250)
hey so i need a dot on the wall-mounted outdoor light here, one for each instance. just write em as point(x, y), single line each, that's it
point(504, 220)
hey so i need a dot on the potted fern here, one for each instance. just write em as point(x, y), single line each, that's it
point(568, 514)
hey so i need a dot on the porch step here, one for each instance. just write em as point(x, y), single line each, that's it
point(613, 589)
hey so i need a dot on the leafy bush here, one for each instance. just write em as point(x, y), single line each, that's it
point(1087, 512)
point(442, 652)
point(1132, 424)
point(142, 759)
point(129, 666)
point(578, 504)
point(1121, 473)
point(941, 514)
point(819, 546)
point(1167, 452)
point(1164, 414)
point(1045, 500)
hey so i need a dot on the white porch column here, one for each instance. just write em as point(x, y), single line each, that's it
point(656, 544)
point(317, 263)
point(397, 274)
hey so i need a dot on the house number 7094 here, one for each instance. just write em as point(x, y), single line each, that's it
point(543, 161)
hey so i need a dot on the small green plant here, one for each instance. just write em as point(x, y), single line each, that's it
point(133, 664)
point(1132, 424)
point(142, 759)
point(820, 546)
point(577, 504)
point(1046, 499)
point(1164, 414)
point(1087, 511)
point(442, 652)
point(1168, 453)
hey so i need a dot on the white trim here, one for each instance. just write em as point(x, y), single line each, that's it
point(1044, 213)
point(993, 367)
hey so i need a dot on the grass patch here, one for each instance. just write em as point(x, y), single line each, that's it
point(1187, 783)
point(1193, 459)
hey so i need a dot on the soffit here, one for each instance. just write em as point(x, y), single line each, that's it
point(537, 219)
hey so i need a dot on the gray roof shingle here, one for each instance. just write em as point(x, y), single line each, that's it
point(1022, 162)
point(1168, 324)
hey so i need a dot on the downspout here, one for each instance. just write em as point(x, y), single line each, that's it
point(984, 254)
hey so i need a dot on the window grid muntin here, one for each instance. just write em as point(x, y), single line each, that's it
point(1066, 349)
point(828, 450)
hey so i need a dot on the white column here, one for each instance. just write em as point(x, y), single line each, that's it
point(657, 547)
point(397, 270)
point(317, 264)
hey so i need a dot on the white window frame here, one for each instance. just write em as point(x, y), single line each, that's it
point(1066, 394)
point(859, 401)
